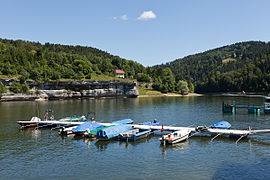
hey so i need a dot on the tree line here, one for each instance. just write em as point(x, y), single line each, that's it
point(237, 67)
point(26, 60)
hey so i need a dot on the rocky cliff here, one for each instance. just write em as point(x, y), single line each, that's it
point(74, 89)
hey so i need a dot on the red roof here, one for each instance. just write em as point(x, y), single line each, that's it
point(119, 71)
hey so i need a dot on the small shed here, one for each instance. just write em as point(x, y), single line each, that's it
point(120, 73)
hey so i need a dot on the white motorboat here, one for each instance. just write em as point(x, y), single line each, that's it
point(175, 137)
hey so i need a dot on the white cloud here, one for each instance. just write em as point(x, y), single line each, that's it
point(114, 18)
point(147, 15)
point(124, 17)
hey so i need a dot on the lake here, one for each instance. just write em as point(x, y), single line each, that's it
point(43, 154)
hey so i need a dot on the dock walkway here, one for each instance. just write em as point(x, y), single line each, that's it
point(203, 129)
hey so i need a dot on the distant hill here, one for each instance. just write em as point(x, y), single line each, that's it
point(43, 62)
point(236, 67)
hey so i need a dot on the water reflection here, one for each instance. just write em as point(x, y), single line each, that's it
point(126, 144)
point(175, 147)
point(102, 145)
point(34, 133)
point(89, 141)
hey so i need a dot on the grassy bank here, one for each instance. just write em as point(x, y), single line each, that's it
point(147, 91)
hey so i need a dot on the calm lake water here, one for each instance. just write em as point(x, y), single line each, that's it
point(43, 154)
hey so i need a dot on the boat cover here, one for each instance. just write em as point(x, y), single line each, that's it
point(151, 123)
point(142, 133)
point(113, 131)
point(221, 125)
point(123, 121)
point(96, 130)
point(87, 125)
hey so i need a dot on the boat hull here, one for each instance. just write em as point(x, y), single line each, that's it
point(30, 124)
point(177, 140)
point(135, 136)
point(175, 137)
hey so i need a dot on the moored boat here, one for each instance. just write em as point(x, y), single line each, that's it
point(112, 132)
point(66, 130)
point(175, 137)
point(221, 125)
point(74, 119)
point(151, 123)
point(90, 129)
point(32, 123)
point(49, 121)
point(134, 135)
point(87, 126)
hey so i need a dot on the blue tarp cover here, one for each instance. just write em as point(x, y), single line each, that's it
point(87, 125)
point(113, 131)
point(221, 125)
point(151, 123)
point(142, 133)
point(123, 121)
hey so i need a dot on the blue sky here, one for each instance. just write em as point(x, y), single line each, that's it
point(166, 31)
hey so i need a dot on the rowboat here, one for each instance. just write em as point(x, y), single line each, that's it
point(175, 137)
point(49, 121)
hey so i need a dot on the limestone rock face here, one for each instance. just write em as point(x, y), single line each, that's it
point(69, 89)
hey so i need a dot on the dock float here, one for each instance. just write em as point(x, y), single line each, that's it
point(256, 109)
point(195, 130)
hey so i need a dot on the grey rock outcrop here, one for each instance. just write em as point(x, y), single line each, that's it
point(75, 89)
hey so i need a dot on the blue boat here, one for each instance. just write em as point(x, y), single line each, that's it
point(221, 125)
point(134, 135)
point(112, 132)
point(87, 126)
point(151, 123)
point(123, 121)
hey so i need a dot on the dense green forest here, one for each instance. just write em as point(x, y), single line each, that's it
point(236, 67)
point(26, 60)
point(39, 62)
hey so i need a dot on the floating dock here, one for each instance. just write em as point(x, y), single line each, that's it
point(256, 109)
point(232, 108)
point(195, 130)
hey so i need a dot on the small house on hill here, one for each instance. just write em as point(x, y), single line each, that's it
point(119, 73)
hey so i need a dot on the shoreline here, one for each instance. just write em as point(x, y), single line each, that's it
point(172, 95)
point(42, 97)
point(258, 95)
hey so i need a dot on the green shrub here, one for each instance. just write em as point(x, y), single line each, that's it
point(3, 89)
point(15, 87)
point(24, 88)
point(19, 88)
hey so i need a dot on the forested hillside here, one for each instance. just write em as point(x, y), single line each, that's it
point(30, 60)
point(237, 67)
point(241, 66)
point(34, 61)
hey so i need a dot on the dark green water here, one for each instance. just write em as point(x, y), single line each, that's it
point(42, 154)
